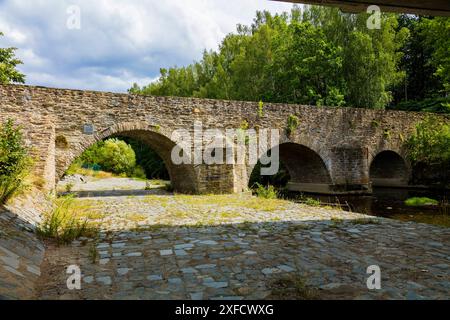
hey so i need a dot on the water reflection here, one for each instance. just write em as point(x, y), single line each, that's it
point(390, 203)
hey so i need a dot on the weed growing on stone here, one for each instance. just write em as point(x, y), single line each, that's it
point(66, 221)
point(69, 187)
point(136, 217)
point(268, 192)
point(93, 253)
point(293, 287)
point(292, 124)
point(260, 109)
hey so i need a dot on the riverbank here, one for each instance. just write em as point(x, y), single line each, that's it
point(242, 247)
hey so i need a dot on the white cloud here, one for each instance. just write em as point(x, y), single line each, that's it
point(120, 42)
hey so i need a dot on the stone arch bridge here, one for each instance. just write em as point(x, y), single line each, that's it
point(332, 150)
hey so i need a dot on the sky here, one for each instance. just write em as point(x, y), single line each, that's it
point(108, 45)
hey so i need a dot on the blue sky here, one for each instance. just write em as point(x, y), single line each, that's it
point(120, 41)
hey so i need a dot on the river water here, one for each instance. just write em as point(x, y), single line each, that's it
point(390, 203)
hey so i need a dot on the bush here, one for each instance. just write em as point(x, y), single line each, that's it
point(435, 105)
point(148, 159)
point(268, 192)
point(430, 144)
point(311, 201)
point(112, 155)
point(14, 160)
point(122, 156)
point(9, 186)
point(138, 172)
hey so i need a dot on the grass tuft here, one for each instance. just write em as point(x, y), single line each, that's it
point(268, 192)
point(65, 222)
point(293, 287)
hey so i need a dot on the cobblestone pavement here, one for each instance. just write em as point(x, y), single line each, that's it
point(222, 247)
point(88, 183)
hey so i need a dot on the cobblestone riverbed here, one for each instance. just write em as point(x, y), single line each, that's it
point(164, 246)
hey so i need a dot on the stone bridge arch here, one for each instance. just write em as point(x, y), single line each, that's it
point(183, 177)
point(389, 167)
point(306, 162)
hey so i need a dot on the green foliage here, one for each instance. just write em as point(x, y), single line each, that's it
point(148, 159)
point(244, 125)
point(112, 155)
point(138, 172)
point(426, 65)
point(260, 109)
point(9, 187)
point(292, 124)
point(421, 201)
point(309, 201)
point(279, 180)
point(375, 124)
point(8, 65)
point(320, 57)
point(436, 32)
point(69, 187)
point(168, 187)
point(435, 105)
point(13, 153)
point(308, 67)
point(268, 192)
point(14, 160)
point(312, 202)
point(430, 144)
point(293, 287)
point(93, 253)
point(122, 156)
point(63, 222)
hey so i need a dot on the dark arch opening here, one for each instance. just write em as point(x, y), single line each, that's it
point(388, 169)
point(301, 169)
point(182, 177)
point(147, 159)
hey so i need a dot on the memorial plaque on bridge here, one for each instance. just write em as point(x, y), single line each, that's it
point(88, 129)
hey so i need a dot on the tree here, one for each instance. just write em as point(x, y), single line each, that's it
point(430, 144)
point(321, 56)
point(370, 58)
point(308, 67)
point(8, 64)
point(419, 82)
point(437, 35)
